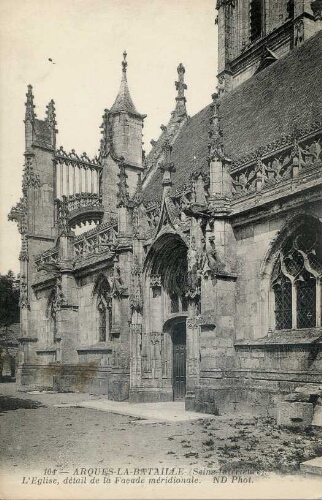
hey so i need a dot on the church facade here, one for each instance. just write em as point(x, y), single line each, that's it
point(201, 279)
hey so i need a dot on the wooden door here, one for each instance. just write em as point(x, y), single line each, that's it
point(179, 362)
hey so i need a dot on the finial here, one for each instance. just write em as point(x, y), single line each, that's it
point(30, 113)
point(167, 166)
point(215, 145)
point(124, 62)
point(51, 114)
point(180, 87)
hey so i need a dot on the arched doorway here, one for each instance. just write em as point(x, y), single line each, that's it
point(179, 361)
point(175, 331)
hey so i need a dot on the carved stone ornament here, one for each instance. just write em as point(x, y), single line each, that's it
point(29, 177)
point(155, 281)
point(63, 213)
point(122, 194)
point(155, 338)
point(297, 157)
point(166, 166)
point(117, 286)
point(316, 7)
point(30, 107)
point(215, 145)
point(59, 297)
point(23, 255)
point(223, 3)
point(18, 214)
point(136, 298)
point(51, 114)
point(23, 300)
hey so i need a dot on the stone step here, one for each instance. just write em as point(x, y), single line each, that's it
point(313, 466)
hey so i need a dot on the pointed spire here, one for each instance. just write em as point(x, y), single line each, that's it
point(106, 139)
point(123, 101)
point(51, 114)
point(30, 107)
point(181, 87)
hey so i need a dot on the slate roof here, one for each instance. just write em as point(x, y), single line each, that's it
point(189, 154)
point(284, 96)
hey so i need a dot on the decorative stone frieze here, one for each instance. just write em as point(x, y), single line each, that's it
point(155, 281)
point(98, 240)
point(71, 158)
point(299, 157)
point(225, 3)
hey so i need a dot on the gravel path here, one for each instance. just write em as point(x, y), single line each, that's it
point(36, 435)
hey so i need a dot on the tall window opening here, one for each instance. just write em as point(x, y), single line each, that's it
point(296, 280)
point(306, 301)
point(283, 303)
point(256, 19)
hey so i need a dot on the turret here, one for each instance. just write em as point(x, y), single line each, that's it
point(126, 123)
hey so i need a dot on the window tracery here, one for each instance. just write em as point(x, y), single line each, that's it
point(296, 280)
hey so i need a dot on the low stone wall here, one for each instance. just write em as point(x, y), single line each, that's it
point(88, 378)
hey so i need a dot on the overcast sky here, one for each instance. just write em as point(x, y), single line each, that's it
point(86, 39)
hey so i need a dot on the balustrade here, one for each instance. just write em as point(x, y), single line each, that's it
point(292, 158)
point(100, 239)
point(76, 174)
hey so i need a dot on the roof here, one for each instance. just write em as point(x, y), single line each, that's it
point(189, 154)
point(284, 96)
point(123, 101)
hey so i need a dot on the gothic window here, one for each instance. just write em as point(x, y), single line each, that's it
point(306, 301)
point(283, 303)
point(296, 280)
point(104, 307)
point(256, 19)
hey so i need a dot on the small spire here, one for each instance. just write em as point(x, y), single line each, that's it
point(123, 101)
point(51, 114)
point(215, 145)
point(30, 113)
point(181, 87)
point(106, 139)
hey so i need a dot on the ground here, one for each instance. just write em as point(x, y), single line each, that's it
point(37, 435)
